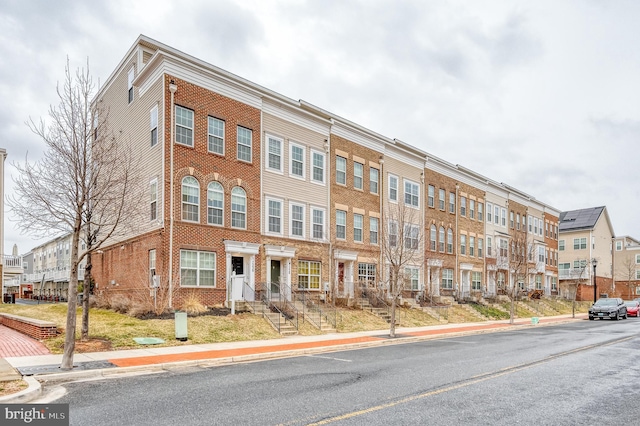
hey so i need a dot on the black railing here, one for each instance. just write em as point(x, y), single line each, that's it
point(314, 309)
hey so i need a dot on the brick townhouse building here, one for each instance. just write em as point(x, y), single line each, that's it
point(247, 187)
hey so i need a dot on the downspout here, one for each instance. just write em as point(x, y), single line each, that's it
point(172, 89)
point(423, 212)
point(332, 282)
point(381, 220)
point(455, 243)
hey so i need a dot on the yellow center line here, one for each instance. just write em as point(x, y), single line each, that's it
point(481, 378)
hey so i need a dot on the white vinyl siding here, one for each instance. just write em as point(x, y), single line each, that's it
point(296, 164)
point(296, 219)
point(274, 154)
point(153, 125)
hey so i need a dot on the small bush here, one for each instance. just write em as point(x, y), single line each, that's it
point(192, 305)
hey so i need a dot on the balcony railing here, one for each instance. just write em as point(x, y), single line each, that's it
point(56, 276)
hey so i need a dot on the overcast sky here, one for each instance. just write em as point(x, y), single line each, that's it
point(541, 95)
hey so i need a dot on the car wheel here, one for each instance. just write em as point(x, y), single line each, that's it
point(591, 318)
point(617, 317)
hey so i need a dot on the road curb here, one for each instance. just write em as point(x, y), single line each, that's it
point(35, 388)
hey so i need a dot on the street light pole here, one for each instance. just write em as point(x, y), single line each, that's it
point(595, 292)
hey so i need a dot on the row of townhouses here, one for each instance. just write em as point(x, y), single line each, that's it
point(247, 187)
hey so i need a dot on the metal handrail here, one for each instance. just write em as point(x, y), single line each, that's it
point(329, 313)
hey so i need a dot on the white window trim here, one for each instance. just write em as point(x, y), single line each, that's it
point(389, 178)
point(209, 223)
point(324, 223)
point(267, 216)
point(361, 216)
point(267, 154)
point(238, 144)
point(224, 143)
point(304, 162)
point(152, 183)
point(377, 231)
point(343, 172)
point(344, 225)
point(324, 167)
point(215, 269)
point(377, 180)
point(130, 77)
point(180, 125)
point(291, 234)
point(153, 124)
point(358, 176)
point(404, 192)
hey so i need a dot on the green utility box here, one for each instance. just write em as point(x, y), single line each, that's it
point(534, 320)
point(181, 325)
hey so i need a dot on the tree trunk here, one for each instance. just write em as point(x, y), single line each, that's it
point(512, 308)
point(392, 328)
point(86, 293)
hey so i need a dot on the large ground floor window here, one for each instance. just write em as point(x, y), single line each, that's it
point(447, 279)
point(476, 280)
point(367, 273)
point(308, 275)
point(197, 268)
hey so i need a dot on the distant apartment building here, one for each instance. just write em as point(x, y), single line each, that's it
point(626, 267)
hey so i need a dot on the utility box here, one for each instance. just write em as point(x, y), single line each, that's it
point(181, 325)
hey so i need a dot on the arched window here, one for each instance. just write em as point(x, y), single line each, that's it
point(433, 238)
point(441, 240)
point(190, 199)
point(449, 240)
point(238, 208)
point(215, 204)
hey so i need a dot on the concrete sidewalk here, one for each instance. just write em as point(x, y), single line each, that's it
point(154, 359)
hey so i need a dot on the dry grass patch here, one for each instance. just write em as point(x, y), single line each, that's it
point(15, 386)
point(358, 320)
point(415, 318)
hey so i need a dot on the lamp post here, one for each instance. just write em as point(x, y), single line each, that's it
point(595, 292)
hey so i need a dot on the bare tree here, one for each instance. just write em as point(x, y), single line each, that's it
point(521, 258)
point(401, 244)
point(627, 273)
point(83, 184)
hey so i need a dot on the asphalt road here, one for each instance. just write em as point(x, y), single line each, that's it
point(582, 373)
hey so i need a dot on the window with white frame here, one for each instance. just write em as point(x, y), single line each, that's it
point(472, 245)
point(341, 170)
point(579, 264)
point(535, 225)
point(152, 268)
point(341, 224)
point(449, 241)
point(431, 195)
point(274, 216)
point(530, 224)
point(374, 177)
point(367, 273)
point(637, 258)
point(480, 211)
point(373, 230)
point(447, 279)
point(504, 247)
point(309, 273)
point(489, 246)
point(411, 236)
point(433, 234)
point(489, 212)
point(184, 126)
point(130, 76)
point(358, 220)
point(296, 165)
point(393, 233)
point(538, 282)
point(476, 280)
point(411, 194)
point(393, 188)
point(554, 283)
point(244, 139)
point(463, 206)
point(274, 154)
point(197, 268)
point(637, 276)
point(480, 247)
point(238, 208)
point(441, 198)
point(215, 135)
point(452, 202)
point(153, 124)
point(190, 199)
point(317, 223)
point(357, 174)
point(472, 209)
point(618, 245)
point(518, 221)
point(296, 217)
point(512, 221)
point(501, 280)
point(318, 159)
point(541, 254)
point(496, 215)
point(441, 240)
point(153, 199)
point(412, 275)
point(580, 243)
point(463, 244)
point(503, 217)
point(561, 245)
point(215, 204)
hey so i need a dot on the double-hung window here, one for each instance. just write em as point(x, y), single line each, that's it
point(274, 216)
point(373, 230)
point(153, 199)
point(190, 199)
point(476, 280)
point(357, 175)
point(153, 124)
point(317, 217)
point(472, 209)
point(216, 136)
point(412, 275)
point(441, 198)
point(341, 170)
point(215, 204)
point(308, 275)
point(130, 76)
point(580, 243)
point(463, 244)
point(431, 193)
point(274, 154)
point(447, 279)
point(296, 228)
point(441, 240)
point(433, 234)
point(472, 246)
point(463, 206)
point(452, 202)
point(238, 208)
point(373, 180)
point(184, 126)
point(480, 247)
point(411, 236)
point(358, 220)
point(318, 166)
point(393, 188)
point(244, 138)
point(296, 168)
point(341, 224)
point(411, 194)
point(450, 241)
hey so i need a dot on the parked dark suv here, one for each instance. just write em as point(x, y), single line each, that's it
point(613, 308)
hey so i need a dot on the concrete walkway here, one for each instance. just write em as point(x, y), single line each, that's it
point(153, 359)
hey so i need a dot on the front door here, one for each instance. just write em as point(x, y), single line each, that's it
point(275, 277)
point(237, 276)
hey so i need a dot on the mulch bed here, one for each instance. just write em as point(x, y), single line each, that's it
point(218, 312)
